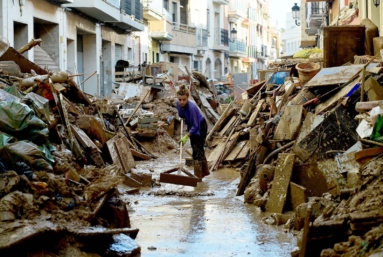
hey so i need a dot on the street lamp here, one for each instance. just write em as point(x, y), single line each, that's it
point(297, 13)
point(233, 35)
point(376, 2)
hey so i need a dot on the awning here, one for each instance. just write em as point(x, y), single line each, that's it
point(249, 59)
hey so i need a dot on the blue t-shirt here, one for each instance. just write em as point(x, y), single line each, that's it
point(192, 116)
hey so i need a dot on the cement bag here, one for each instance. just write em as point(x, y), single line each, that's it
point(20, 121)
point(39, 104)
point(28, 152)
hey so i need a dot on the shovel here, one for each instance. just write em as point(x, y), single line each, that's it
point(179, 179)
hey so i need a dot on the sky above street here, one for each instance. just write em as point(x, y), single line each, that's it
point(278, 10)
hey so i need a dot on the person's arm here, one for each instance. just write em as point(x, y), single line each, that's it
point(195, 126)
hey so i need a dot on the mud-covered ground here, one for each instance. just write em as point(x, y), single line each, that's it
point(204, 221)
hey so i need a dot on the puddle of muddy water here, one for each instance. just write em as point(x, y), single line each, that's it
point(216, 224)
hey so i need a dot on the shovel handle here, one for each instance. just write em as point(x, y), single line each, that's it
point(182, 128)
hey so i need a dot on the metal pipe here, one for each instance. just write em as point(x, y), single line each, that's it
point(277, 151)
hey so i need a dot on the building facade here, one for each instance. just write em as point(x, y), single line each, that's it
point(87, 36)
point(291, 36)
point(77, 36)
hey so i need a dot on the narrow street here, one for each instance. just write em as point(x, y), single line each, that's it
point(204, 221)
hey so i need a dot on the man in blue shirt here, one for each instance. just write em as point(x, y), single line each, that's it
point(197, 130)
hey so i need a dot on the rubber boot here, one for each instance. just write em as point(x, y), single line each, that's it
point(205, 169)
point(198, 170)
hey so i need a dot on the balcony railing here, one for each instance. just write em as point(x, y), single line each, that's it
point(252, 51)
point(202, 37)
point(184, 28)
point(238, 46)
point(238, 5)
point(221, 37)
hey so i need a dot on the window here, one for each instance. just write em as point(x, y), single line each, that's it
point(130, 53)
point(166, 5)
point(157, 57)
point(174, 12)
point(196, 65)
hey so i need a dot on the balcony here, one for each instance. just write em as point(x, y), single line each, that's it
point(184, 40)
point(251, 54)
point(221, 2)
point(202, 35)
point(65, 1)
point(237, 10)
point(111, 11)
point(161, 30)
point(237, 49)
point(98, 9)
point(152, 10)
point(316, 18)
point(221, 39)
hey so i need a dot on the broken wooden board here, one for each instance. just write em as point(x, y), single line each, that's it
point(290, 123)
point(236, 150)
point(139, 155)
point(230, 145)
point(244, 152)
point(208, 107)
point(297, 195)
point(188, 180)
point(335, 75)
point(113, 152)
point(255, 113)
point(374, 89)
point(83, 138)
point(214, 155)
point(227, 126)
point(333, 100)
point(124, 153)
point(336, 131)
point(225, 115)
point(281, 182)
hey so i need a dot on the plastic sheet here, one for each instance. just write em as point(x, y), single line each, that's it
point(28, 152)
point(39, 104)
point(20, 121)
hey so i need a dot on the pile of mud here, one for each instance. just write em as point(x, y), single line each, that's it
point(163, 144)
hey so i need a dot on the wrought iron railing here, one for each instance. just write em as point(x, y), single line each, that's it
point(238, 46)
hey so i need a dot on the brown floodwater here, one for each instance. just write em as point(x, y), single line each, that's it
point(208, 220)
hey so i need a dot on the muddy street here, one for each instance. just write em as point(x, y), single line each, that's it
point(204, 221)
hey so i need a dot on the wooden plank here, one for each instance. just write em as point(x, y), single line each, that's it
point(83, 138)
point(113, 152)
point(221, 120)
point(255, 113)
point(281, 182)
point(228, 125)
point(126, 157)
point(290, 123)
point(230, 145)
point(236, 150)
point(244, 152)
point(297, 195)
point(139, 155)
point(214, 155)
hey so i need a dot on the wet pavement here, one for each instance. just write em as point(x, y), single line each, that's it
point(204, 221)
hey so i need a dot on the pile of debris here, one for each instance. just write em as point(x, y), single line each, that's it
point(309, 146)
point(66, 157)
point(63, 165)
